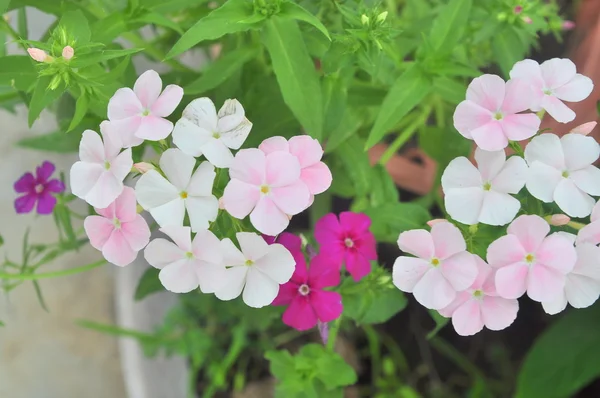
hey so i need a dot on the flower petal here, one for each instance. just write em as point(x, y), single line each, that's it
point(433, 291)
point(123, 104)
point(575, 90)
point(287, 293)
point(170, 214)
point(557, 109)
point(117, 251)
point(217, 153)
point(98, 229)
point(124, 207)
point(498, 313)
point(323, 272)
point(153, 190)
point(44, 171)
point(557, 72)
point(470, 116)
point(278, 264)
point(589, 234)
point(504, 251)
point(201, 210)
point(572, 200)
point(136, 233)
point(447, 240)
point(529, 71)
point(417, 242)
point(461, 173)
point(579, 150)
point(555, 306)
point(291, 199)
point(122, 164)
point(230, 115)
point(153, 128)
point(511, 280)
point(179, 277)
point(512, 177)
point(518, 97)
point(202, 180)
point(260, 290)
point(408, 271)
point(531, 230)
point(178, 167)
point(147, 88)
point(327, 305)
point(181, 235)
point(207, 247)
point(546, 148)
point(240, 198)
point(232, 256)
point(542, 181)
point(490, 137)
point(587, 179)
point(45, 203)
point(160, 252)
point(467, 319)
point(55, 185)
point(464, 204)
point(236, 280)
point(558, 253)
point(300, 314)
point(273, 144)
point(460, 270)
point(581, 291)
point(487, 91)
point(253, 245)
point(489, 165)
point(83, 177)
point(267, 218)
point(189, 137)
point(521, 126)
point(25, 184)
point(544, 283)
point(91, 148)
point(106, 189)
point(211, 277)
point(317, 178)
point(357, 265)
point(498, 208)
point(282, 169)
point(249, 166)
point(307, 149)
point(125, 129)
point(167, 101)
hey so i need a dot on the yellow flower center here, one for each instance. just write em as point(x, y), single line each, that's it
point(530, 258)
point(435, 262)
point(249, 262)
point(264, 189)
point(183, 195)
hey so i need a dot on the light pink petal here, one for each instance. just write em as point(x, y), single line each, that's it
point(273, 144)
point(126, 129)
point(291, 199)
point(485, 274)
point(577, 89)
point(417, 242)
point(511, 280)
point(160, 252)
point(498, 313)
point(178, 167)
point(542, 181)
point(498, 208)
point(512, 176)
point(122, 164)
point(189, 137)
point(317, 178)
point(589, 234)
point(179, 277)
point(211, 277)
point(490, 137)
point(98, 229)
point(529, 71)
point(202, 180)
point(487, 91)
point(558, 253)
point(470, 116)
point(572, 200)
point(278, 264)
point(464, 204)
point(217, 153)
point(124, 104)
point(584, 129)
point(461, 173)
point(153, 128)
point(306, 149)
point(236, 280)
point(327, 305)
point(153, 190)
point(460, 270)
point(83, 177)
point(281, 169)
point(581, 291)
point(489, 164)
point(596, 212)
point(117, 251)
point(113, 141)
point(239, 198)
point(105, 191)
point(147, 88)
point(300, 314)
point(504, 251)
point(461, 298)
point(136, 233)
point(557, 109)
point(546, 148)
point(520, 127)
point(167, 101)
point(91, 148)
point(323, 272)
point(580, 151)
point(180, 235)
point(232, 256)
point(249, 166)
point(531, 231)
point(267, 218)
point(170, 214)
point(555, 306)
point(260, 290)
point(237, 136)
point(466, 319)
point(518, 97)
point(201, 210)
point(557, 72)
point(125, 205)
point(447, 240)
point(109, 212)
point(207, 247)
point(544, 283)
point(433, 291)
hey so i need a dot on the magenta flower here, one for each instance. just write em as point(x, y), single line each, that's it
point(347, 241)
point(308, 302)
point(38, 189)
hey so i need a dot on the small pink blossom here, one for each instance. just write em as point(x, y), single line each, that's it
point(553, 82)
point(558, 220)
point(268, 187)
point(139, 114)
point(38, 189)
point(442, 266)
point(308, 302)
point(491, 113)
point(38, 55)
point(347, 240)
point(68, 52)
point(568, 25)
point(591, 232)
point(527, 260)
point(527, 20)
point(143, 167)
point(584, 129)
point(118, 231)
point(314, 173)
point(518, 9)
point(480, 306)
point(431, 223)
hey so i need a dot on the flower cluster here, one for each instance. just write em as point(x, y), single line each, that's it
point(551, 267)
point(270, 183)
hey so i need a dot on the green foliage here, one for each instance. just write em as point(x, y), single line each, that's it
point(148, 284)
point(390, 219)
point(449, 26)
point(57, 141)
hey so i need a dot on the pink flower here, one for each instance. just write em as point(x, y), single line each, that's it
point(304, 293)
point(119, 232)
point(480, 306)
point(38, 55)
point(528, 260)
point(442, 268)
point(68, 52)
point(139, 114)
point(98, 177)
point(490, 114)
point(552, 82)
point(314, 173)
point(591, 232)
point(268, 187)
point(38, 189)
point(347, 241)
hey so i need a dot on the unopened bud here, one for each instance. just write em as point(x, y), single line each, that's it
point(381, 17)
point(584, 129)
point(364, 19)
point(221, 204)
point(68, 52)
point(568, 25)
point(558, 219)
point(37, 54)
point(527, 20)
point(143, 167)
point(431, 223)
point(518, 9)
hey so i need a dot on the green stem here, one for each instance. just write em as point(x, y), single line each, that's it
point(405, 135)
point(515, 146)
point(15, 35)
point(57, 274)
point(333, 332)
point(576, 225)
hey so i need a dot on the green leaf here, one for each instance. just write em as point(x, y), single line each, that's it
point(508, 49)
point(448, 26)
point(159, 19)
point(107, 29)
point(63, 217)
point(348, 126)
point(101, 56)
point(449, 89)
point(335, 93)
point(295, 73)
point(54, 142)
point(406, 93)
point(440, 322)
point(356, 163)
point(81, 107)
point(295, 11)
point(148, 284)
point(221, 21)
point(281, 363)
point(565, 358)
point(383, 188)
point(42, 97)
point(3, 8)
point(221, 70)
point(388, 220)
point(455, 145)
point(333, 371)
point(76, 26)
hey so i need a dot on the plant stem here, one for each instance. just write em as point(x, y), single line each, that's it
point(46, 275)
point(333, 332)
point(575, 225)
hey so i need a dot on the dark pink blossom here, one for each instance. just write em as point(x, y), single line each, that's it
point(347, 240)
point(38, 189)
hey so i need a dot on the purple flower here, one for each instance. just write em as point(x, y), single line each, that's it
point(38, 189)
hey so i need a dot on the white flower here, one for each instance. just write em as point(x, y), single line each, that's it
point(482, 194)
point(561, 171)
point(167, 200)
point(201, 131)
point(258, 269)
point(185, 265)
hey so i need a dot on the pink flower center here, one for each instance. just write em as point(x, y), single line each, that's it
point(530, 258)
point(547, 91)
point(304, 289)
point(189, 255)
point(264, 189)
point(117, 223)
point(249, 263)
point(348, 242)
point(146, 112)
point(39, 188)
point(435, 262)
point(478, 294)
point(107, 165)
point(487, 186)
point(498, 116)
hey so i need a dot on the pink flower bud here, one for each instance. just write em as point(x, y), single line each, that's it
point(584, 129)
point(221, 205)
point(518, 9)
point(431, 223)
point(68, 52)
point(559, 219)
point(568, 25)
point(527, 20)
point(37, 54)
point(143, 167)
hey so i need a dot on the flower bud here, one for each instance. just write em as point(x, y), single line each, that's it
point(568, 25)
point(558, 219)
point(68, 52)
point(527, 20)
point(518, 9)
point(584, 129)
point(221, 204)
point(364, 19)
point(143, 167)
point(381, 17)
point(38, 55)
point(431, 223)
